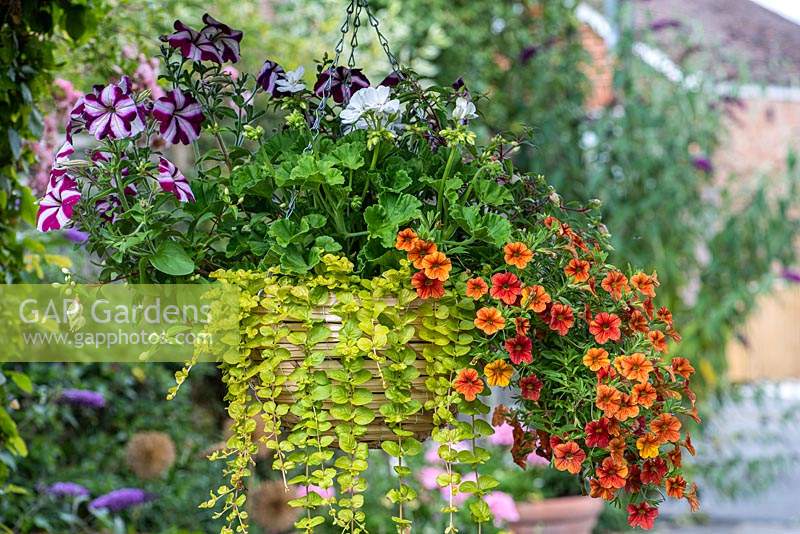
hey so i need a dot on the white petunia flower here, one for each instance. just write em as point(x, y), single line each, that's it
point(292, 81)
point(464, 110)
point(371, 107)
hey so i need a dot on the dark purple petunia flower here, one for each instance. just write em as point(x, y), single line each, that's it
point(268, 77)
point(528, 53)
point(66, 489)
point(703, 164)
point(193, 45)
point(791, 275)
point(83, 397)
point(224, 38)
point(76, 236)
point(173, 181)
point(341, 83)
point(392, 79)
point(112, 113)
point(121, 499)
point(664, 24)
point(180, 116)
point(55, 209)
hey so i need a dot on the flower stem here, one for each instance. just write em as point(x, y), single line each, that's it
point(447, 169)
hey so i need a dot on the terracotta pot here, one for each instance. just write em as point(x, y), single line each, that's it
point(563, 515)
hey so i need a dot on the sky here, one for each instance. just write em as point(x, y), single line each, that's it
point(789, 9)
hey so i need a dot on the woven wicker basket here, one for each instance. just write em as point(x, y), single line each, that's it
point(420, 424)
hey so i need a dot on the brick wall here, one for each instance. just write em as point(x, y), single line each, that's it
point(598, 71)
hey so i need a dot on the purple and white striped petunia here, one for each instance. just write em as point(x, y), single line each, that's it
point(268, 77)
point(112, 113)
point(193, 44)
point(55, 209)
point(64, 153)
point(341, 83)
point(173, 181)
point(226, 40)
point(180, 116)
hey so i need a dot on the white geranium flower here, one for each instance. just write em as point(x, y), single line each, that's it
point(292, 81)
point(371, 107)
point(464, 110)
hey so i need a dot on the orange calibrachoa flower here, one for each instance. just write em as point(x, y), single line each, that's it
point(506, 287)
point(616, 447)
point(608, 399)
point(604, 327)
point(427, 288)
point(644, 394)
point(405, 240)
point(658, 340)
point(477, 288)
point(578, 270)
point(642, 515)
point(489, 320)
point(615, 283)
point(682, 367)
point(561, 318)
point(636, 366)
point(596, 359)
point(535, 298)
point(468, 383)
point(648, 445)
point(420, 249)
point(667, 427)
point(568, 457)
point(521, 325)
point(498, 373)
point(676, 486)
point(612, 474)
point(691, 498)
point(664, 315)
point(517, 254)
point(638, 322)
point(597, 491)
point(628, 408)
point(437, 266)
point(646, 284)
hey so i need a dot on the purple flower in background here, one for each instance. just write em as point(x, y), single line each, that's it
point(180, 116)
point(55, 209)
point(663, 24)
point(791, 275)
point(76, 236)
point(427, 477)
point(268, 77)
point(329, 493)
point(503, 435)
point(173, 181)
point(112, 113)
point(121, 499)
point(66, 489)
point(392, 79)
point(502, 506)
point(703, 164)
point(193, 45)
point(341, 83)
point(528, 53)
point(83, 397)
point(224, 38)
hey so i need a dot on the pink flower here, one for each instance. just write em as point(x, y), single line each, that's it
point(535, 460)
point(326, 494)
point(503, 435)
point(180, 116)
point(173, 181)
point(502, 506)
point(55, 209)
point(427, 477)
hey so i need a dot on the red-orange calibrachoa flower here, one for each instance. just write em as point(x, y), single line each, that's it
point(578, 270)
point(612, 474)
point(627, 408)
point(597, 491)
point(608, 399)
point(649, 308)
point(561, 318)
point(419, 250)
point(489, 320)
point(521, 325)
point(405, 239)
point(636, 366)
point(644, 394)
point(596, 359)
point(506, 287)
point(658, 340)
point(638, 322)
point(616, 447)
point(682, 367)
point(530, 387)
point(653, 471)
point(675, 456)
point(604, 327)
point(535, 298)
point(427, 288)
point(633, 484)
point(646, 284)
point(667, 427)
point(642, 515)
point(615, 283)
point(520, 349)
point(597, 434)
point(664, 315)
point(468, 383)
point(568, 457)
point(517, 254)
point(691, 498)
point(437, 266)
point(477, 288)
point(676, 486)
point(648, 445)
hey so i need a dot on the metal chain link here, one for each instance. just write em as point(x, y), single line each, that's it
point(373, 20)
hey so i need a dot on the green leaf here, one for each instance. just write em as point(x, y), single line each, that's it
point(349, 155)
point(392, 210)
point(22, 381)
point(491, 193)
point(172, 259)
point(391, 448)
